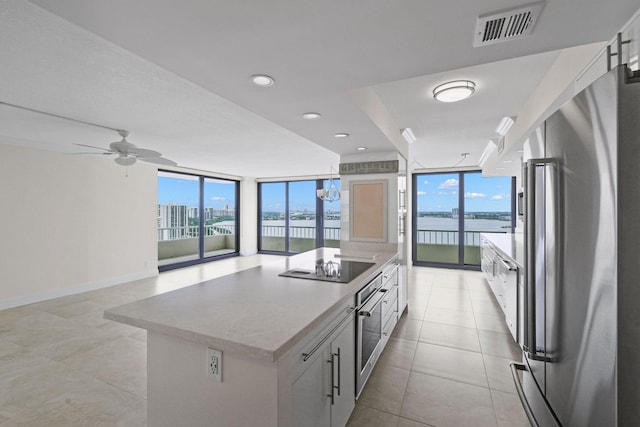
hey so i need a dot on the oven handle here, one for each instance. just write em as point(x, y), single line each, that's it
point(306, 356)
point(373, 302)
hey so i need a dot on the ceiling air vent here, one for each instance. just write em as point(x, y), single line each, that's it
point(506, 25)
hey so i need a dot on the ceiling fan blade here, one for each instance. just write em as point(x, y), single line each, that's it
point(158, 160)
point(143, 152)
point(108, 153)
point(97, 148)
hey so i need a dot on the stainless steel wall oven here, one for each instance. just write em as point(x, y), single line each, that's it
point(369, 329)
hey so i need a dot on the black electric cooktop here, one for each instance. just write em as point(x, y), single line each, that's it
point(340, 271)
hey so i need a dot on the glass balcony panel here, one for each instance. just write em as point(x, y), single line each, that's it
point(272, 209)
point(487, 209)
point(178, 231)
point(219, 217)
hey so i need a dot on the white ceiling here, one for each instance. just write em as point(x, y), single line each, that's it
point(176, 75)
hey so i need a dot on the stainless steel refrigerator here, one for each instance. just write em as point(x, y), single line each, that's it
point(581, 345)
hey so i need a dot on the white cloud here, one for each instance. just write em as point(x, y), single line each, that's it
point(474, 195)
point(426, 182)
point(422, 193)
point(501, 196)
point(217, 198)
point(449, 183)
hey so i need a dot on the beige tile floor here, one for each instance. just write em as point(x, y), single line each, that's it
point(447, 362)
point(62, 364)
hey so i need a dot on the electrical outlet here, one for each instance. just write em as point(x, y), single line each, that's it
point(214, 364)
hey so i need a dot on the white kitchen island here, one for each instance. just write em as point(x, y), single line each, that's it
point(261, 322)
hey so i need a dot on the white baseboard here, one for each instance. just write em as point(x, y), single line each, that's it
point(77, 289)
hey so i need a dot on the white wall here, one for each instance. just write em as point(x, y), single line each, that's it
point(248, 216)
point(72, 223)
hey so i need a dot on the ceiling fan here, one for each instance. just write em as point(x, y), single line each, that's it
point(127, 153)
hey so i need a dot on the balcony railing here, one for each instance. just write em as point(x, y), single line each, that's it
point(297, 232)
point(441, 246)
point(192, 231)
point(449, 237)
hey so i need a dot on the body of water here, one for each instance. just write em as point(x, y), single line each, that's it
point(424, 223)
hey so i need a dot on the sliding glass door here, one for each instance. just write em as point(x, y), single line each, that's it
point(451, 210)
point(437, 221)
point(292, 219)
point(197, 219)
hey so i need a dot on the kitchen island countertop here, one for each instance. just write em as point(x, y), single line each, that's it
point(254, 312)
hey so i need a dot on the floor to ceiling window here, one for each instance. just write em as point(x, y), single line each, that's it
point(451, 209)
point(197, 219)
point(292, 219)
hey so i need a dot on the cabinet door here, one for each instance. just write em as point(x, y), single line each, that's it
point(343, 354)
point(311, 406)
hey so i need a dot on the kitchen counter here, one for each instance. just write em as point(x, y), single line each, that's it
point(258, 326)
point(510, 244)
point(253, 313)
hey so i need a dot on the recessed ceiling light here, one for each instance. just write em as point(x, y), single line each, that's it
point(262, 80)
point(311, 116)
point(507, 161)
point(341, 135)
point(454, 91)
point(361, 148)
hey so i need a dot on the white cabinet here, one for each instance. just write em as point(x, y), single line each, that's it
point(502, 276)
point(324, 393)
point(390, 302)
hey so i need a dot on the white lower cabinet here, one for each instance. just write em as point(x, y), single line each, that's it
point(324, 394)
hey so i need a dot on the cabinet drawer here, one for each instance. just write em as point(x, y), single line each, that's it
point(389, 302)
point(390, 276)
point(390, 323)
point(311, 347)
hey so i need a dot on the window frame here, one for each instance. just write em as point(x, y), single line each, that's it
point(319, 216)
point(460, 265)
point(201, 222)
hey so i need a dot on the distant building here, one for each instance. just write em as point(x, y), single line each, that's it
point(455, 213)
point(172, 221)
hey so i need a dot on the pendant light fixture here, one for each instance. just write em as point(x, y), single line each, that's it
point(330, 194)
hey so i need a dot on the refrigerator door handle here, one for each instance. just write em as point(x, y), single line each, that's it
point(529, 341)
point(515, 367)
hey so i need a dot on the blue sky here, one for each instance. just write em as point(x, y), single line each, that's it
point(436, 192)
point(302, 196)
point(218, 193)
point(440, 192)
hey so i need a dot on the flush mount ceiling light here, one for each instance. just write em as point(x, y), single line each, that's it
point(262, 80)
point(361, 148)
point(454, 91)
point(311, 116)
point(504, 125)
point(341, 135)
point(408, 135)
